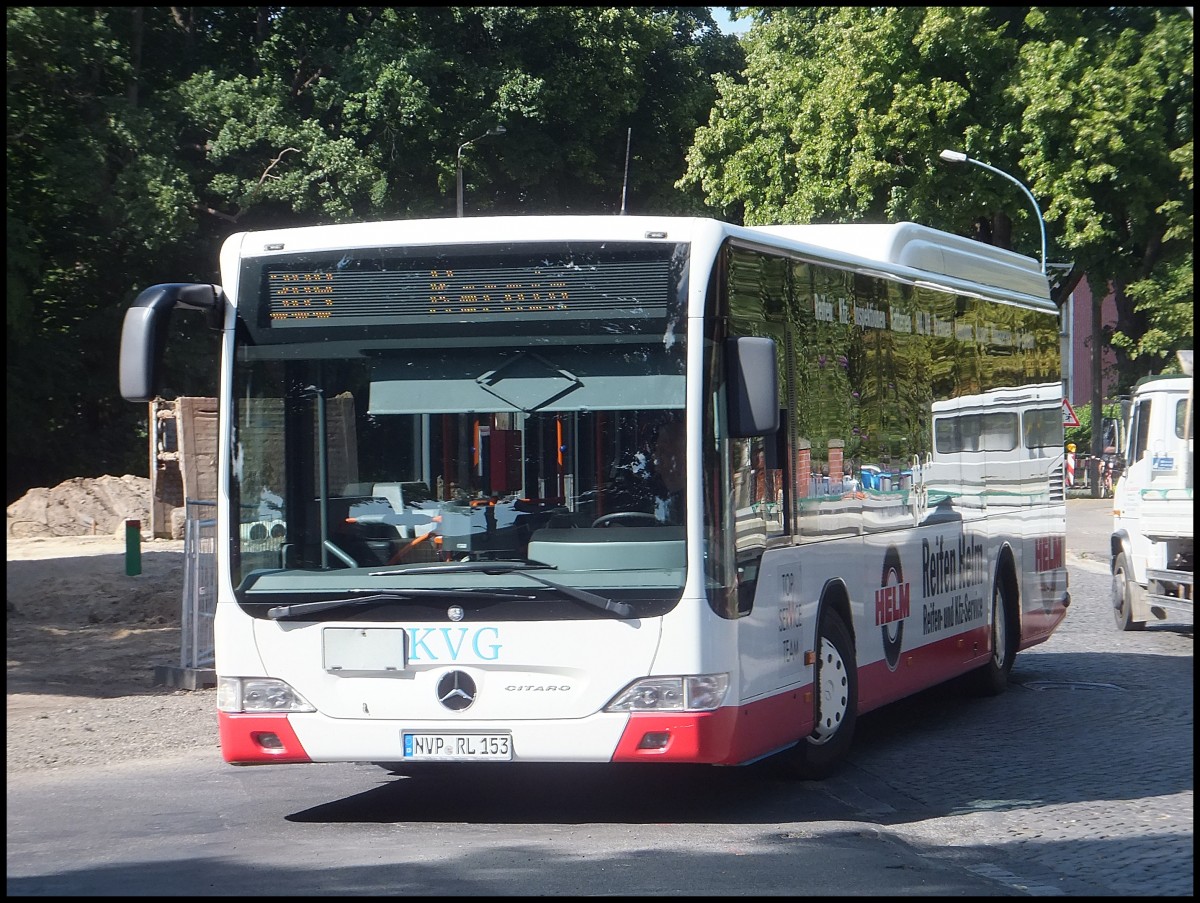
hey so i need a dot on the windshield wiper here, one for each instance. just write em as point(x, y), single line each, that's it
point(620, 609)
point(465, 567)
point(300, 609)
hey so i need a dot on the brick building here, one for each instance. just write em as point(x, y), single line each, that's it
point(1077, 347)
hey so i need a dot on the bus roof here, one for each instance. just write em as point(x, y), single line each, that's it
point(922, 248)
point(1002, 398)
point(905, 249)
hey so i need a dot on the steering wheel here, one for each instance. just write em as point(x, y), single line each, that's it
point(625, 517)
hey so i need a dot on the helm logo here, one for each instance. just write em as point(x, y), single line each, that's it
point(893, 601)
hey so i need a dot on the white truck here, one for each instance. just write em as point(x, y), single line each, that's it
point(1152, 504)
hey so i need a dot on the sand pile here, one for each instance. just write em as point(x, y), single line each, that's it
point(81, 506)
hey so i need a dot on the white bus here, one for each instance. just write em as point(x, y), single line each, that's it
point(448, 534)
point(998, 447)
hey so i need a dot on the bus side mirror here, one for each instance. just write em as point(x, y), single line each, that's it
point(144, 332)
point(751, 386)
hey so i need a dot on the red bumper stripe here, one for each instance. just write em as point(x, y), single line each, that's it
point(729, 736)
point(259, 740)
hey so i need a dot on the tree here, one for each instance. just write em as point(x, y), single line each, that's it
point(1107, 97)
point(840, 113)
point(94, 208)
point(141, 137)
point(1106, 108)
point(359, 113)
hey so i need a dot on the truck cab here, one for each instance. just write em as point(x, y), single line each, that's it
point(1152, 504)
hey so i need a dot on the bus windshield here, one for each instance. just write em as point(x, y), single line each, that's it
point(373, 432)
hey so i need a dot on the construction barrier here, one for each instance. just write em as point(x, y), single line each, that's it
point(199, 586)
point(199, 603)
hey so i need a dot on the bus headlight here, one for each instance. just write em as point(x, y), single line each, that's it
point(693, 693)
point(259, 694)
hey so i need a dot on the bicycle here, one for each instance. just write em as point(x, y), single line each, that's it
point(1105, 480)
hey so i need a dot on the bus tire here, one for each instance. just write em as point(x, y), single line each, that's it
point(1122, 595)
point(836, 681)
point(992, 678)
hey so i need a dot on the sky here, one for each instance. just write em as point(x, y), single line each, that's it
point(723, 22)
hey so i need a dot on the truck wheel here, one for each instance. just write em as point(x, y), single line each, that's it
point(992, 679)
point(836, 682)
point(1122, 594)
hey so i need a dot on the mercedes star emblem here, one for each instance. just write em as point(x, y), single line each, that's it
point(456, 690)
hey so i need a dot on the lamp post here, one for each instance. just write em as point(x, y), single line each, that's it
point(498, 130)
point(951, 156)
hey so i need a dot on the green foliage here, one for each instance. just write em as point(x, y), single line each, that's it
point(840, 113)
point(139, 138)
point(1166, 300)
point(91, 213)
point(1082, 435)
point(1107, 133)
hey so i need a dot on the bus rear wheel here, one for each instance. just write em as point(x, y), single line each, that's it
point(992, 678)
point(836, 681)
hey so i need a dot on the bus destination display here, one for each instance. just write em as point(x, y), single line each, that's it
point(368, 293)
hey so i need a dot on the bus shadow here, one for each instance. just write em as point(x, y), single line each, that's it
point(538, 793)
point(1065, 732)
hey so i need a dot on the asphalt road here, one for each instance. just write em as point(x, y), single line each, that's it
point(1078, 781)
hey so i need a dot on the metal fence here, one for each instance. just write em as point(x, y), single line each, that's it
point(199, 585)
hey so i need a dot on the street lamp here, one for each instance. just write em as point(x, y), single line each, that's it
point(951, 156)
point(498, 130)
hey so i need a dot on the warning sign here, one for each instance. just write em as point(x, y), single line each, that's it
point(1069, 418)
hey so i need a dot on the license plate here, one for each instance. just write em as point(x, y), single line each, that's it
point(364, 649)
point(458, 747)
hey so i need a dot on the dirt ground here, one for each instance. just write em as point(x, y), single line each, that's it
point(83, 641)
point(79, 625)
